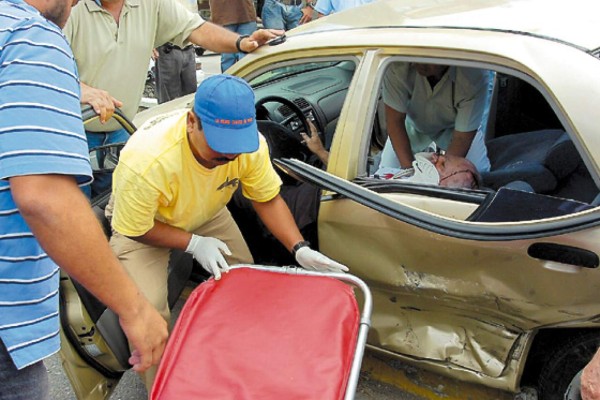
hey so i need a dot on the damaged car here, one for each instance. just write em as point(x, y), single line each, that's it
point(495, 284)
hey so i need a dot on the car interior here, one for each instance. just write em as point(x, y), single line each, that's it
point(534, 162)
point(525, 140)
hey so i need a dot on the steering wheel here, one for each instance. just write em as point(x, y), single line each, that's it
point(283, 141)
point(296, 113)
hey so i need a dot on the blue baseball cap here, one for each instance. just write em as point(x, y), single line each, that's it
point(225, 105)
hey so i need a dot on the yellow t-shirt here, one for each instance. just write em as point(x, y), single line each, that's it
point(158, 178)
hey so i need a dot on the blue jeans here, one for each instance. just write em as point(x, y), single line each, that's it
point(29, 383)
point(228, 59)
point(102, 182)
point(276, 15)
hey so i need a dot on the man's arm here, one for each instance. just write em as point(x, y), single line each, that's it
point(460, 143)
point(396, 128)
point(62, 221)
point(164, 235)
point(277, 217)
point(220, 40)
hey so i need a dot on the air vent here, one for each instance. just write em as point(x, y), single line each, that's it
point(285, 110)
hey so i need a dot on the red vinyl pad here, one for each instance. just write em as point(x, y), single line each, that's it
point(261, 335)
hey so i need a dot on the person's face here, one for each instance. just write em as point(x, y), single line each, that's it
point(430, 70)
point(455, 172)
point(206, 156)
point(58, 11)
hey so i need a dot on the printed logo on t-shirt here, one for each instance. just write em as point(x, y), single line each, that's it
point(233, 183)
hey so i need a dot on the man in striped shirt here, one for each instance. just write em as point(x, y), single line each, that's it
point(45, 220)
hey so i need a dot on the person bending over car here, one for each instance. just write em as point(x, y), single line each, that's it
point(174, 178)
point(440, 103)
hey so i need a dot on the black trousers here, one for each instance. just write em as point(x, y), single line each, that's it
point(175, 72)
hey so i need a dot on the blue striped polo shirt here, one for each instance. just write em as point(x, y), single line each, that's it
point(40, 133)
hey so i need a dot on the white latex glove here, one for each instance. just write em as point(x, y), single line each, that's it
point(208, 251)
point(311, 259)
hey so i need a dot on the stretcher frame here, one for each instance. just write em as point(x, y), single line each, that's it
point(364, 322)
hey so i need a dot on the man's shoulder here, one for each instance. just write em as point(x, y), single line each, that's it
point(470, 74)
point(162, 122)
point(155, 137)
point(18, 11)
point(22, 21)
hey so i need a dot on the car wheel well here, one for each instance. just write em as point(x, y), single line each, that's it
point(555, 355)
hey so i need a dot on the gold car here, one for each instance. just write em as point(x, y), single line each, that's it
point(497, 285)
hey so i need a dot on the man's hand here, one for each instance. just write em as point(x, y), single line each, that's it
point(208, 251)
point(590, 379)
point(100, 100)
point(307, 15)
point(147, 332)
point(258, 38)
point(315, 144)
point(311, 259)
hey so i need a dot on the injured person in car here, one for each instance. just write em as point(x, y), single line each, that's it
point(432, 167)
point(436, 168)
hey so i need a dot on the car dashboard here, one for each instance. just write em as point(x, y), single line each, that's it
point(317, 88)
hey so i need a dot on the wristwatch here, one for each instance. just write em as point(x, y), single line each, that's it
point(239, 41)
point(299, 245)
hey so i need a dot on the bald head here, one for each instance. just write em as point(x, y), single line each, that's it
point(456, 172)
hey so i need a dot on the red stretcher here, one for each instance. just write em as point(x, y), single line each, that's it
point(267, 333)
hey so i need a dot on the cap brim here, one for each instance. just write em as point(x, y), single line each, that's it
point(231, 141)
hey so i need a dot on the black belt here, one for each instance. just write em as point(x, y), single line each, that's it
point(170, 46)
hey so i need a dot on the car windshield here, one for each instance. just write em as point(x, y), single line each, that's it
point(290, 70)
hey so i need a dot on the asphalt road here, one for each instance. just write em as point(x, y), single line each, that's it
point(131, 387)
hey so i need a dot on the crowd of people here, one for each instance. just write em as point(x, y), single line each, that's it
point(56, 57)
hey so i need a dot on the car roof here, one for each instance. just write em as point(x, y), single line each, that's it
point(573, 22)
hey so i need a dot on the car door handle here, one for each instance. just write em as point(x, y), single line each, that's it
point(564, 254)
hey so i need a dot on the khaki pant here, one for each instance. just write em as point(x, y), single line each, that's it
point(147, 265)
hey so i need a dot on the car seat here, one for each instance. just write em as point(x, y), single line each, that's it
point(542, 159)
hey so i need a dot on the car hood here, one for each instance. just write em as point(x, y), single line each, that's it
point(575, 22)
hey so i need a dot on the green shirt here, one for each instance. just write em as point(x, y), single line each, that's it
point(115, 57)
